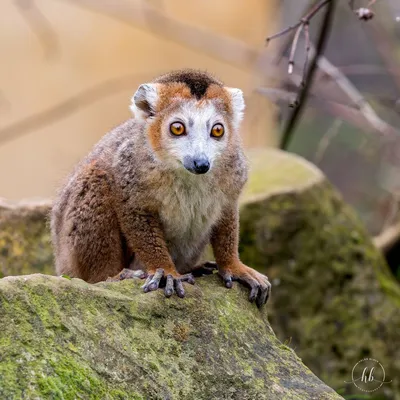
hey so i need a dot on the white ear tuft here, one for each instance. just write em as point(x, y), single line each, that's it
point(237, 103)
point(144, 100)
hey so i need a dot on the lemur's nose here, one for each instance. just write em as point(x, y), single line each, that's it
point(201, 165)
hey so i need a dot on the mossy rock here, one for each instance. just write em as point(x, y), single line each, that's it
point(25, 245)
point(334, 299)
point(66, 339)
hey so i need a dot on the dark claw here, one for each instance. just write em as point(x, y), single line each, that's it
point(169, 287)
point(180, 291)
point(155, 282)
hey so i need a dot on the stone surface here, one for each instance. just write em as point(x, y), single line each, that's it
point(25, 245)
point(66, 339)
point(333, 300)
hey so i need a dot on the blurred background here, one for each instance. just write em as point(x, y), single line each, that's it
point(69, 68)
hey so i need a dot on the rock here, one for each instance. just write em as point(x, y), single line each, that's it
point(333, 298)
point(66, 339)
point(25, 245)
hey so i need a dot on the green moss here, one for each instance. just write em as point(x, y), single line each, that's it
point(25, 245)
point(332, 293)
point(65, 339)
point(273, 171)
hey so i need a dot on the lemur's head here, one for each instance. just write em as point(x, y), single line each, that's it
point(191, 118)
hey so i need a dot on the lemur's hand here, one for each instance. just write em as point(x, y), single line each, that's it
point(169, 282)
point(258, 283)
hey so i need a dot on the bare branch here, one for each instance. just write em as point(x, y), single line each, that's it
point(67, 107)
point(293, 50)
point(39, 25)
point(302, 25)
point(327, 139)
point(351, 91)
point(322, 39)
point(140, 14)
point(308, 46)
point(283, 32)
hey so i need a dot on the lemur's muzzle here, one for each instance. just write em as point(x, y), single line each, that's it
point(197, 165)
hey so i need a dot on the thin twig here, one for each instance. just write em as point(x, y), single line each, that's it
point(307, 44)
point(68, 107)
point(293, 50)
point(326, 140)
point(354, 95)
point(322, 39)
point(283, 32)
point(39, 25)
point(299, 27)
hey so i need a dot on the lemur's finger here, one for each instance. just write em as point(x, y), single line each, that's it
point(263, 295)
point(145, 287)
point(169, 286)
point(189, 278)
point(253, 284)
point(180, 291)
point(155, 282)
point(140, 274)
point(226, 277)
point(253, 293)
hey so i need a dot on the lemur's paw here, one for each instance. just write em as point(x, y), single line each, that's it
point(127, 273)
point(260, 287)
point(207, 268)
point(170, 283)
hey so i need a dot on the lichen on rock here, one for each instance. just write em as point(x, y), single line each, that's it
point(25, 245)
point(334, 298)
point(66, 339)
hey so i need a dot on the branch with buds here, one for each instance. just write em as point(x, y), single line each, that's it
point(301, 26)
point(363, 13)
point(308, 71)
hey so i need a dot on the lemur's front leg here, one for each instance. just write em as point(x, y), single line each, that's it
point(145, 237)
point(225, 241)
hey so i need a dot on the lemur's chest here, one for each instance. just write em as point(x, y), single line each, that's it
point(188, 208)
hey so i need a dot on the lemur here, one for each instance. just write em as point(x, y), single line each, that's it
point(157, 189)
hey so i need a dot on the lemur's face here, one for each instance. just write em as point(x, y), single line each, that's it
point(191, 121)
point(195, 135)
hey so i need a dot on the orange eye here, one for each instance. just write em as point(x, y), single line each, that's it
point(217, 130)
point(177, 129)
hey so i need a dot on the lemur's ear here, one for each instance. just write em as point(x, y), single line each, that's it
point(144, 100)
point(237, 103)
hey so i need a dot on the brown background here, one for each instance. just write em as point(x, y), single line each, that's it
point(69, 68)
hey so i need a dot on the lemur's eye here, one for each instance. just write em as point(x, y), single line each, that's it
point(177, 128)
point(217, 130)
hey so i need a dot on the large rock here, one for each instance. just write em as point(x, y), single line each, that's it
point(333, 300)
point(25, 245)
point(66, 339)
